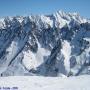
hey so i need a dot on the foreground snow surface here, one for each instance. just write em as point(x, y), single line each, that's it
point(46, 83)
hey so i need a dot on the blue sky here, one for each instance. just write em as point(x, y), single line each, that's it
point(26, 7)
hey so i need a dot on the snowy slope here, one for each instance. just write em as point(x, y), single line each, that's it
point(48, 45)
point(46, 83)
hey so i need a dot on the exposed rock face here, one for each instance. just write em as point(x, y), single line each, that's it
point(52, 45)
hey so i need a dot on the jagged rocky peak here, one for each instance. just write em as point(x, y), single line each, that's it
point(48, 45)
point(60, 17)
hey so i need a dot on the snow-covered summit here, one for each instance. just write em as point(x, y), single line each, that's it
point(49, 45)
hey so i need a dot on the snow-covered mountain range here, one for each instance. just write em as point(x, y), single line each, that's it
point(48, 45)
